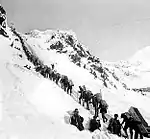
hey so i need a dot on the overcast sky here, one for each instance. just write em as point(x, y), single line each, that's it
point(112, 29)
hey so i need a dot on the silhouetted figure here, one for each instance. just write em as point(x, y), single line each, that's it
point(103, 110)
point(70, 86)
point(96, 99)
point(130, 123)
point(94, 124)
point(77, 120)
point(115, 125)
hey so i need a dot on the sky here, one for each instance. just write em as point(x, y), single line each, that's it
point(112, 29)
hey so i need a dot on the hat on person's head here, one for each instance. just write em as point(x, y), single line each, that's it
point(76, 110)
point(115, 115)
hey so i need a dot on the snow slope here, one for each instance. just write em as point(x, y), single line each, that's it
point(33, 107)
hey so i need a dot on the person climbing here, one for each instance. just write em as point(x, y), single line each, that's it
point(69, 87)
point(94, 124)
point(77, 120)
point(64, 82)
point(53, 75)
point(132, 124)
point(114, 125)
point(87, 97)
point(57, 77)
point(81, 94)
point(103, 109)
point(96, 99)
point(95, 76)
point(52, 66)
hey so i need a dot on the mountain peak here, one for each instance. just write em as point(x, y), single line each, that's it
point(141, 56)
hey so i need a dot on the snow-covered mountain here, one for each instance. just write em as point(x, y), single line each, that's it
point(34, 107)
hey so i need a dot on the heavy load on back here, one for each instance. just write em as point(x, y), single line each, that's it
point(104, 104)
point(143, 125)
point(98, 97)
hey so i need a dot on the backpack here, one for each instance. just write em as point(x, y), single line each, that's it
point(98, 97)
point(71, 83)
point(104, 104)
point(128, 115)
point(89, 94)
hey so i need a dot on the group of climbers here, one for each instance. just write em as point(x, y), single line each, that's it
point(128, 122)
point(77, 121)
point(44, 70)
point(52, 74)
point(114, 125)
point(86, 96)
point(131, 124)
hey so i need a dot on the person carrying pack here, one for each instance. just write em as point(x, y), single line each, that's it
point(81, 94)
point(94, 124)
point(69, 87)
point(103, 109)
point(77, 120)
point(114, 125)
point(132, 124)
point(87, 97)
point(96, 99)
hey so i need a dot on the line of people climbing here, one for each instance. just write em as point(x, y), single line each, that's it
point(114, 125)
point(86, 96)
point(44, 70)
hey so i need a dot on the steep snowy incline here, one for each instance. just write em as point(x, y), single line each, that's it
point(33, 107)
point(122, 74)
point(122, 99)
point(65, 66)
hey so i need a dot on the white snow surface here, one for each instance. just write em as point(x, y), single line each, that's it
point(32, 107)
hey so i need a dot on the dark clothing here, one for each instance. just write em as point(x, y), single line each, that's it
point(52, 66)
point(69, 87)
point(114, 126)
point(69, 90)
point(87, 97)
point(104, 117)
point(132, 125)
point(77, 121)
point(64, 82)
point(95, 105)
point(57, 77)
point(103, 109)
point(94, 124)
point(81, 95)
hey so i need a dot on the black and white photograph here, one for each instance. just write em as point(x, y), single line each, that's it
point(74, 69)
